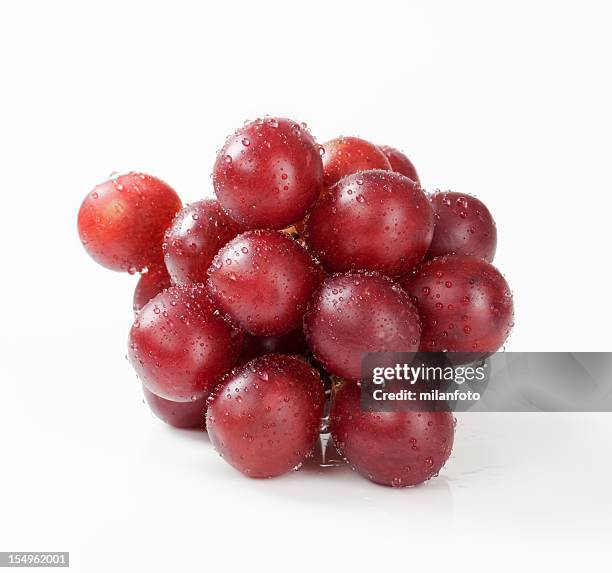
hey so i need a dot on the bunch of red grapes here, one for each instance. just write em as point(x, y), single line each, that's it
point(254, 310)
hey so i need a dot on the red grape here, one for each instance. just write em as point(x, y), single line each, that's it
point(291, 343)
point(398, 449)
point(179, 346)
point(464, 302)
point(346, 155)
point(122, 221)
point(358, 313)
point(268, 174)
point(151, 283)
point(262, 281)
point(190, 414)
point(264, 418)
point(373, 220)
point(400, 163)
point(196, 235)
point(463, 226)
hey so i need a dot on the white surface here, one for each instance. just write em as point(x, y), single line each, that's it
point(509, 101)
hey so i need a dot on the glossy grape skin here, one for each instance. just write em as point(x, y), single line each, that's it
point(179, 346)
point(264, 418)
point(347, 155)
point(268, 174)
point(190, 414)
point(464, 302)
point(122, 221)
point(373, 220)
point(357, 313)
point(293, 342)
point(197, 233)
point(262, 281)
point(400, 163)
point(398, 449)
point(463, 226)
point(150, 284)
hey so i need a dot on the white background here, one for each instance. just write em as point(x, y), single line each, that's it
point(506, 100)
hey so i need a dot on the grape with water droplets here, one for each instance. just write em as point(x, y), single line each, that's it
point(400, 163)
point(268, 174)
point(190, 414)
point(263, 280)
point(264, 417)
point(347, 155)
point(463, 226)
point(122, 221)
point(464, 302)
point(197, 233)
point(374, 220)
point(397, 449)
point(357, 313)
point(150, 284)
point(180, 346)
